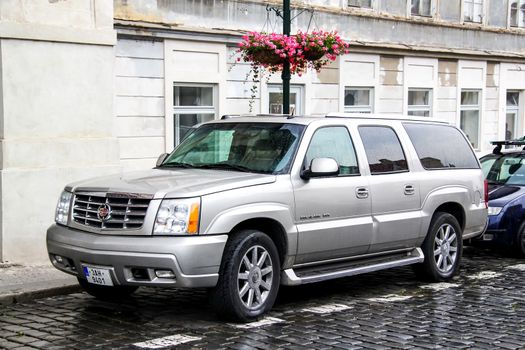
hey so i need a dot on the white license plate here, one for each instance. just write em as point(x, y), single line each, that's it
point(96, 275)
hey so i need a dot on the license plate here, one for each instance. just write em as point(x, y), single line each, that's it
point(97, 275)
point(488, 237)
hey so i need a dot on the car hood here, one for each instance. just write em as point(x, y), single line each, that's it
point(501, 195)
point(172, 183)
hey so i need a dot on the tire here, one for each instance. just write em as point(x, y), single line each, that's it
point(442, 259)
point(106, 292)
point(519, 244)
point(246, 290)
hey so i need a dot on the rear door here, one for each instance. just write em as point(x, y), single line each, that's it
point(394, 189)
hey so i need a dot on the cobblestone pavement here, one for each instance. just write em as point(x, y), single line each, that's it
point(483, 308)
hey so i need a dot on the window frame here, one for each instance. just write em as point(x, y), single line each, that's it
point(520, 15)
point(432, 10)
point(365, 109)
point(298, 89)
point(515, 110)
point(483, 12)
point(477, 107)
point(421, 108)
point(185, 110)
point(305, 166)
point(373, 5)
point(400, 144)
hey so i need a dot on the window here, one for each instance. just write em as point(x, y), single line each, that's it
point(473, 11)
point(360, 3)
point(470, 115)
point(383, 150)
point(421, 8)
point(517, 13)
point(359, 100)
point(275, 99)
point(192, 105)
point(511, 121)
point(419, 102)
point(334, 142)
point(441, 146)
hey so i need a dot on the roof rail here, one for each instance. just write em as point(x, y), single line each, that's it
point(500, 144)
point(384, 116)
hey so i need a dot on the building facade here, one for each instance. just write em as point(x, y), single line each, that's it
point(91, 87)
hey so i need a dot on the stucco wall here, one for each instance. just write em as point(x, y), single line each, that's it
point(57, 112)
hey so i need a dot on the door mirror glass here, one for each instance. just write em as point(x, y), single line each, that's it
point(162, 158)
point(320, 167)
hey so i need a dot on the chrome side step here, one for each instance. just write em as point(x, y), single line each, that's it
point(294, 277)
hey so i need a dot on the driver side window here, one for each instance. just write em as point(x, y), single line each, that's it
point(334, 142)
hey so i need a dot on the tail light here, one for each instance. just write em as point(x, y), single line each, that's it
point(486, 185)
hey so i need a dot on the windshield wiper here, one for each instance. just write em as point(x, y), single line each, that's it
point(227, 166)
point(176, 165)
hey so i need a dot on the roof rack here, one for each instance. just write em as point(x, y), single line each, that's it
point(500, 144)
point(228, 116)
point(384, 116)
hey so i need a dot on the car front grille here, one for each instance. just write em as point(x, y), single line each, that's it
point(110, 211)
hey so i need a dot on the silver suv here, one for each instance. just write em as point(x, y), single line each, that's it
point(244, 205)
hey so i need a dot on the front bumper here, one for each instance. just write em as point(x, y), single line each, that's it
point(195, 261)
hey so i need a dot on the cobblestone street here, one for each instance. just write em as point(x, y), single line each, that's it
point(483, 308)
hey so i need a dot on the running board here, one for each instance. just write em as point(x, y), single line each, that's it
point(294, 277)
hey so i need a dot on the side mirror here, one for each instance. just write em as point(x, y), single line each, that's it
point(320, 167)
point(161, 159)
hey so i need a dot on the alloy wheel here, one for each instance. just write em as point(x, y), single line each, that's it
point(254, 278)
point(445, 248)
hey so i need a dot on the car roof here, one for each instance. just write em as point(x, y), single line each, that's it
point(306, 119)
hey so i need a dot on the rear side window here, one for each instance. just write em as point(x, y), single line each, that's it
point(383, 150)
point(441, 146)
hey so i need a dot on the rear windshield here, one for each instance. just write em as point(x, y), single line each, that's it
point(508, 169)
point(441, 146)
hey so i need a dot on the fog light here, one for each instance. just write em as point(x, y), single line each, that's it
point(59, 259)
point(164, 274)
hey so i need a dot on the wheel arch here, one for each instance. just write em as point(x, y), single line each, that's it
point(270, 227)
point(455, 209)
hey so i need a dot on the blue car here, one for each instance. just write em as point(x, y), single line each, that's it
point(505, 173)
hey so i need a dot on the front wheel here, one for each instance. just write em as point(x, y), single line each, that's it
point(442, 247)
point(106, 292)
point(519, 244)
point(249, 278)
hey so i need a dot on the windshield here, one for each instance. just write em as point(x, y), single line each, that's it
point(251, 147)
point(508, 169)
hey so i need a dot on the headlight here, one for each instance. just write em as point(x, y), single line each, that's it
point(178, 216)
point(493, 211)
point(62, 211)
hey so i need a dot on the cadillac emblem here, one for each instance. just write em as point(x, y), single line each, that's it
point(104, 212)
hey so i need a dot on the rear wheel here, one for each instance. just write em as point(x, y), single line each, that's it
point(106, 292)
point(249, 278)
point(443, 247)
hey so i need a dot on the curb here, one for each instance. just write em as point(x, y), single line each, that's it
point(21, 297)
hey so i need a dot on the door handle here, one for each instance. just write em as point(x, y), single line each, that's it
point(361, 192)
point(409, 190)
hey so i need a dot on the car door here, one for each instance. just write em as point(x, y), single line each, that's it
point(394, 190)
point(332, 213)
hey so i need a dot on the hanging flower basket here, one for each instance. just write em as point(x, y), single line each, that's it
point(303, 50)
point(314, 54)
point(267, 57)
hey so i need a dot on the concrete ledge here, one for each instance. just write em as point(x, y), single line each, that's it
point(41, 32)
